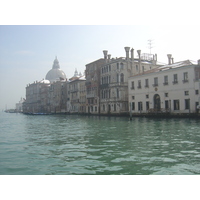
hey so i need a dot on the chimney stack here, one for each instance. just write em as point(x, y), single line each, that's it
point(172, 60)
point(169, 59)
point(109, 56)
point(105, 52)
point(139, 53)
point(198, 61)
point(132, 54)
point(155, 57)
point(127, 49)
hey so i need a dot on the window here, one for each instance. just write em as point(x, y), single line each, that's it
point(133, 106)
point(140, 106)
point(139, 84)
point(133, 97)
point(176, 104)
point(186, 93)
point(114, 107)
point(165, 80)
point(175, 79)
point(155, 81)
point(166, 94)
point(109, 68)
point(196, 91)
point(117, 65)
point(137, 67)
point(117, 78)
point(142, 68)
point(166, 104)
point(95, 108)
point(147, 105)
point(187, 103)
point(132, 85)
point(147, 96)
point(121, 66)
point(122, 78)
point(117, 93)
point(147, 83)
point(185, 77)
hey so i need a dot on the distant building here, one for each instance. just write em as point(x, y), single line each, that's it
point(19, 106)
point(173, 88)
point(55, 74)
point(77, 94)
point(36, 97)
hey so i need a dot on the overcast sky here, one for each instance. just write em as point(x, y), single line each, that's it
point(27, 52)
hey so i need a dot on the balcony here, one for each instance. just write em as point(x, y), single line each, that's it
point(155, 85)
point(104, 85)
point(185, 81)
point(175, 82)
point(91, 95)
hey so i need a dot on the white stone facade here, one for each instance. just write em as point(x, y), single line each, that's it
point(173, 88)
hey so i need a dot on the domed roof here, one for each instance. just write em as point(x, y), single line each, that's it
point(55, 74)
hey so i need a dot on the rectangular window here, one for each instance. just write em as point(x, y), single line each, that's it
point(147, 96)
point(140, 106)
point(176, 104)
point(133, 106)
point(165, 80)
point(186, 93)
point(166, 105)
point(139, 84)
point(147, 83)
point(132, 85)
point(147, 105)
point(175, 79)
point(155, 82)
point(196, 91)
point(187, 104)
point(166, 94)
point(133, 97)
point(185, 77)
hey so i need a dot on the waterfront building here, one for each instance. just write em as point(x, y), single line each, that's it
point(36, 97)
point(57, 97)
point(47, 96)
point(92, 75)
point(114, 76)
point(173, 88)
point(77, 94)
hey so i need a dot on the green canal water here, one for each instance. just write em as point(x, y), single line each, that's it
point(84, 145)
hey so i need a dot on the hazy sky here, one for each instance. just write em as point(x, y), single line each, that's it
point(27, 52)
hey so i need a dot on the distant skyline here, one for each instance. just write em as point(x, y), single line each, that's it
point(27, 52)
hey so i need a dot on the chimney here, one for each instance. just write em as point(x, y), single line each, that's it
point(172, 60)
point(109, 56)
point(127, 52)
point(132, 54)
point(169, 58)
point(198, 61)
point(155, 57)
point(105, 52)
point(139, 53)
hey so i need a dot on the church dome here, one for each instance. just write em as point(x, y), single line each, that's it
point(55, 74)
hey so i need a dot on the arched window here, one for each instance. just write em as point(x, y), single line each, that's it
point(122, 78)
